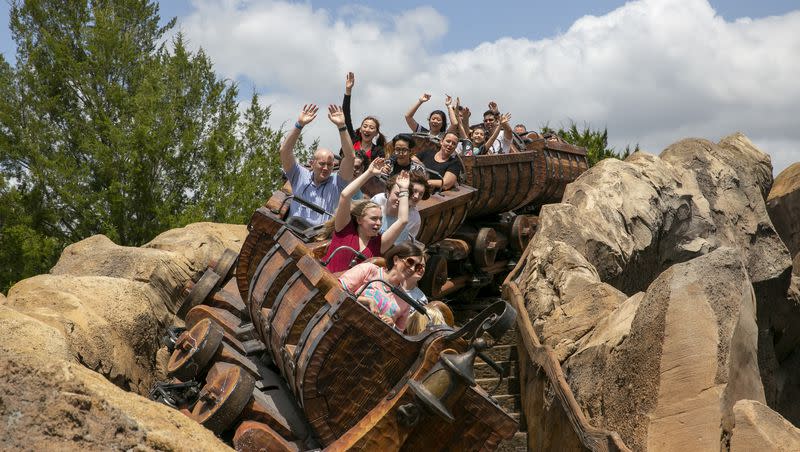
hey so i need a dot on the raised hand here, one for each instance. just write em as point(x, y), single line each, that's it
point(336, 115)
point(504, 118)
point(308, 114)
point(448, 100)
point(465, 114)
point(493, 107)
point(425, 97)
point(376, 167)
point(403, 180)
point(349, 82)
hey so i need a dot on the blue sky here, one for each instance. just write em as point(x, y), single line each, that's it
point(516, 19)
point(652, 71)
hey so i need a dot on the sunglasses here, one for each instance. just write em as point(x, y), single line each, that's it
point(414, 265)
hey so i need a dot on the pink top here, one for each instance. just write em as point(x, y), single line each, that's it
point(349, 237)
point(382, 300)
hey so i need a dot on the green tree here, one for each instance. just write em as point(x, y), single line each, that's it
point(105, 130)
point(595, 142)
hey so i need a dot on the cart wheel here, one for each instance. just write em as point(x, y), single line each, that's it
point(522, 230)
point(253, 435)
point(435, 276)
point(194, 349)
point(227, 391)
point(485, 250)
point(200, 292)
point(225, 265)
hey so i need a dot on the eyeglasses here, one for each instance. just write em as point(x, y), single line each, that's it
point(414, 265)
point(402, 150)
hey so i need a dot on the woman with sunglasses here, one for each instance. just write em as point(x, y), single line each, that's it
point(403, 262)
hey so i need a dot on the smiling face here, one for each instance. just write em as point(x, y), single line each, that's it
point(435, 122)
point(412, 268)
point(368, 129)
point(478, 136)
point(370, 221)
point(322, 165)
point(449, 144)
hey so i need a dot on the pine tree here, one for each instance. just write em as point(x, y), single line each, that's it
point(103, 129)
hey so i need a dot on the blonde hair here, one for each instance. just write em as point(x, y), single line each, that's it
point(418, 322)
point(357, 210)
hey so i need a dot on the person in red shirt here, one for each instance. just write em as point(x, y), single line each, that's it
point(357, 224)
point(368, 138)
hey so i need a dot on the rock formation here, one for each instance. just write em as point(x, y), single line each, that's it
point(101, 313)
point(650, 299)
point(783, 204)
point(759, 428)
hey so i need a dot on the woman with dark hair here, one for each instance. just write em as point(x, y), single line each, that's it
point(400, 156)
point(403, 261)
point(368, 131)
point(444, 162)
point(437, 120)
point(359, 227)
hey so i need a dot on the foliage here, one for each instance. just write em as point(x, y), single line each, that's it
point(105, 130)
point(595, 142)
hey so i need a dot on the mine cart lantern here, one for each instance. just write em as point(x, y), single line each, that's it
point(448, 380)
point(450, 377)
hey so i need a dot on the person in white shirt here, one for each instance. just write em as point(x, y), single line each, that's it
point(389, 202)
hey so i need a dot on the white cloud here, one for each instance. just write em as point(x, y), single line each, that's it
point(652, 71)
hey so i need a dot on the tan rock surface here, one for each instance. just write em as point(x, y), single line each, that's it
point(758, 428)
point(669, 379)
point(103, 309)
point(783, 205)
point(165, 272)
point(111, 325)
point(734, 178)
point(640, 216)
point(64, 406)
point(200, 242)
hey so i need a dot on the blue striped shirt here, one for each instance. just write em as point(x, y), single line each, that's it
point(325, 195)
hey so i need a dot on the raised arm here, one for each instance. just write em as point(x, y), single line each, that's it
point(492, 137)
point(464, 123)
point(391, 234)
point(307, 115)
point(349, 82)
point(336, 116)
point(508, 132)
point(412, 123)
point(342, 217)
point(453, 114)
